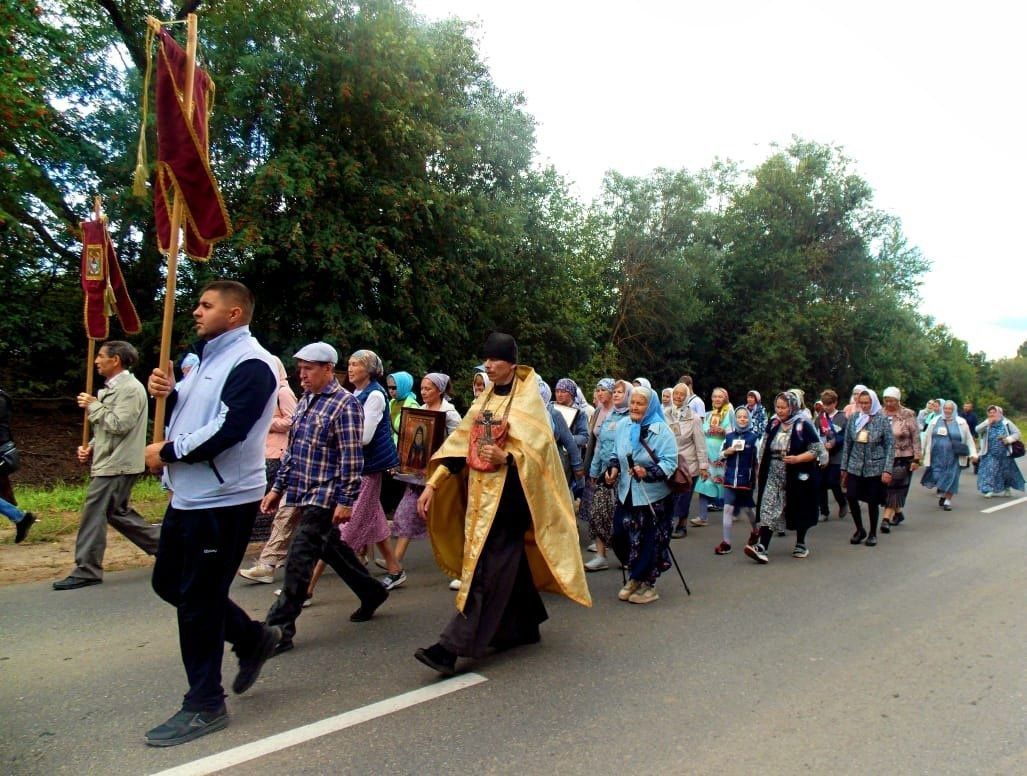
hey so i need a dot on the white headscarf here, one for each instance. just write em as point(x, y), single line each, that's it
point(875, 406)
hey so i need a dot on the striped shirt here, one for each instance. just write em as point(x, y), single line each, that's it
point(322, 463)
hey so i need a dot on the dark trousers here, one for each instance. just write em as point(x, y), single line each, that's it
point(198, 556)
point(831, 483)
point(317, 539)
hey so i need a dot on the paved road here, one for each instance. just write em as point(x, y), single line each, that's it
point(905, 658)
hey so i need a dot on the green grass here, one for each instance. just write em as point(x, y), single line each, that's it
point(57, 508)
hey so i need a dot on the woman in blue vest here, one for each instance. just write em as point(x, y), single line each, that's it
point(368, 525)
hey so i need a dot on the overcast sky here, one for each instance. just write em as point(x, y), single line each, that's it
point(926, 98)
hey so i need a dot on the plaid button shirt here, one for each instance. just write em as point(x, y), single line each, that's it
point(321, 465)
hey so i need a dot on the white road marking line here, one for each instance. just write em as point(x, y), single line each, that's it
point(1004, 506)
point(279, 741)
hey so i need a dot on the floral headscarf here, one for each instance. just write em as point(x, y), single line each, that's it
point(793, 409)
point(371, 362)
point(543, 389)
point(606, 384)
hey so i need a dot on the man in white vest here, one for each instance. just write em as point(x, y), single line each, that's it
point(213, 462)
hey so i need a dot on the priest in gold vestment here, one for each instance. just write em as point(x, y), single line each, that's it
point(500, 517)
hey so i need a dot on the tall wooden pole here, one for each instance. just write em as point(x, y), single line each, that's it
point(91, 350)
point(176, 224)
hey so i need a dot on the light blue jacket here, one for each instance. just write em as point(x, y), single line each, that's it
point(661, 439)
point(605, 444)
point(236, 475)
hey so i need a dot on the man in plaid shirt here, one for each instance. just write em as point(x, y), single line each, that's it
point(320, 476)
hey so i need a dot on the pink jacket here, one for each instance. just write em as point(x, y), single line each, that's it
point(278, 435)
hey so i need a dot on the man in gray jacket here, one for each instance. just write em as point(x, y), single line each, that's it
point(118, 417)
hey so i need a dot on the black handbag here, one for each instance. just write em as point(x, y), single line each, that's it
point(10, 460)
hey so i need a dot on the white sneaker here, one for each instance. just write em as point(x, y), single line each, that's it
point(454, 584)
point(598, 563)
point(989, 494)
point(259, 573)
point(592, 547)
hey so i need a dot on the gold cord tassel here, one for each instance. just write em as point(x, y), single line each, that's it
point(141, 173)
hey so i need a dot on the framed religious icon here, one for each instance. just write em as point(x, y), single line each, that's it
point(570, 414)
point(420, 434)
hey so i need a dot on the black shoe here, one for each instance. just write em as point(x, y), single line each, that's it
point(250, 665)
point(897, 518)
point(187, 725)
point(941, 501)
point(713, 508)
point(871, 541)
point(680, 532)
point(858, 537)
point(283, 646)
point(438, 658)
point(21, 528)
point(366, 611)
point(73, 583)
point(885, 528)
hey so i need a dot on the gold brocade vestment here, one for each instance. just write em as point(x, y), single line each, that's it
point(464, 506)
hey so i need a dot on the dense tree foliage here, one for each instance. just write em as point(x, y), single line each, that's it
point(385, 194)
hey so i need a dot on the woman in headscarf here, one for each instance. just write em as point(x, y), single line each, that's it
point(948, 448)
point(567, 396)
point(407, 524)
point(642, 382)
point(853, 406)
point(718, 422)
point(400, 386)
point(803, 409)
point(480, 382)
point(666, 400)
point(867, 463)
point(600, 513)
point(603, 398)
point(739, 450)
point(788, 478)
point(646, 455)
point(570, 454)
point(757, 413)
point(368, 525)
point(277, 530)
point(998, 471)
point(907, 456)
point(692, 454)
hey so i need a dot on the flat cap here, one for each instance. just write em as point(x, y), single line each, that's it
point(320, 352)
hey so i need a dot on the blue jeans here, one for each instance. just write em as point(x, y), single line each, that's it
point(8, 510)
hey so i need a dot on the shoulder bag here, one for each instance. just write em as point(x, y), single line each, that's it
point(1016, 449)
point(680, 481)
point(10, 460)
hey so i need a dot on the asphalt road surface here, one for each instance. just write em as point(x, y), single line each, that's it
point(907, 658)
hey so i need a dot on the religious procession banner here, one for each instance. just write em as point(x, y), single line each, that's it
point(103, 284)
point(183, 156)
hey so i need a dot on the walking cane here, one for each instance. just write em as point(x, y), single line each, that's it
point(652, 509)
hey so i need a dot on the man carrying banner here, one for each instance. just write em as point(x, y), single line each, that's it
point(214, 465)
point(118, 418)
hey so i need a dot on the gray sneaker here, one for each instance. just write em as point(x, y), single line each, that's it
point(598, 563)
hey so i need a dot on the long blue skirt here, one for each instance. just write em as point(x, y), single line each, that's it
point(943, 473)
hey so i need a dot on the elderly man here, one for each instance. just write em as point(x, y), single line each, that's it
point(118, 417)
point(511, 502)
point(320, 476)
point(213, 462)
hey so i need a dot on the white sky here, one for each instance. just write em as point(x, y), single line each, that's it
point(926, 98)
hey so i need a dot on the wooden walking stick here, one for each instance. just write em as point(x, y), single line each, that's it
point(91, 350)
point(176, 225)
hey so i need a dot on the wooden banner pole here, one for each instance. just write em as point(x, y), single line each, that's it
point(91, 350)
point(176, 224)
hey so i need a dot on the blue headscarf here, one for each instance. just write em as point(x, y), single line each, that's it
point(653, 413)
point(606, 384)
point(404, 384)
point(543, 389)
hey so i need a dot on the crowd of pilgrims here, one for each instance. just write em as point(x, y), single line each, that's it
point(635, 459)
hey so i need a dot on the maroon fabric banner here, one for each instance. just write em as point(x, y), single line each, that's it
point(103, 284)
point(183, 157)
